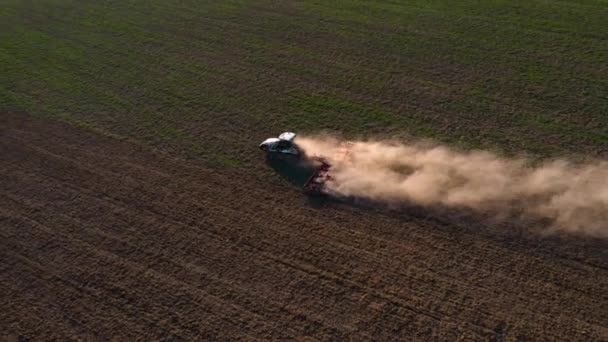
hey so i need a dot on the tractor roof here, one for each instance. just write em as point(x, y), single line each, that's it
point(289, 136)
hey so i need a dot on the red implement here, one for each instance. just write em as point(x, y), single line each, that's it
point(316, 182)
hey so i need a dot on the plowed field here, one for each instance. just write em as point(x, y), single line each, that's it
point(105, 239)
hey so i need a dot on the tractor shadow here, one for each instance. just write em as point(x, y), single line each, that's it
point(295, 171)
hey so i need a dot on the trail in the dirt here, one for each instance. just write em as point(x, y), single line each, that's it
point(573, 196)
point(102, 239)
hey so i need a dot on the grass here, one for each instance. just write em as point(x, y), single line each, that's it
point(210, 79)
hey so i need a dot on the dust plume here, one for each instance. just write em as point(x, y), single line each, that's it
point(574, 196)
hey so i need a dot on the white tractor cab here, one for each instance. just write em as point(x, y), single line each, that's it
point(283, 145)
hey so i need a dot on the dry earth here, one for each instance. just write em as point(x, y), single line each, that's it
point(109, 240)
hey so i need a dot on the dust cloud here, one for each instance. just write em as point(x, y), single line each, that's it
point(573, 196)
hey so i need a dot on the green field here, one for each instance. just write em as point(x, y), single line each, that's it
point(209, 79)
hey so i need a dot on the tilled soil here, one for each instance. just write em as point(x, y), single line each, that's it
point(108, 240)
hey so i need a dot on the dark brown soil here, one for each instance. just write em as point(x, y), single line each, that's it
point(102, 239)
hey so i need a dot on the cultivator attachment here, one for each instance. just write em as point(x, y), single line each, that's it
point(316, 182)
point(322, 174)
